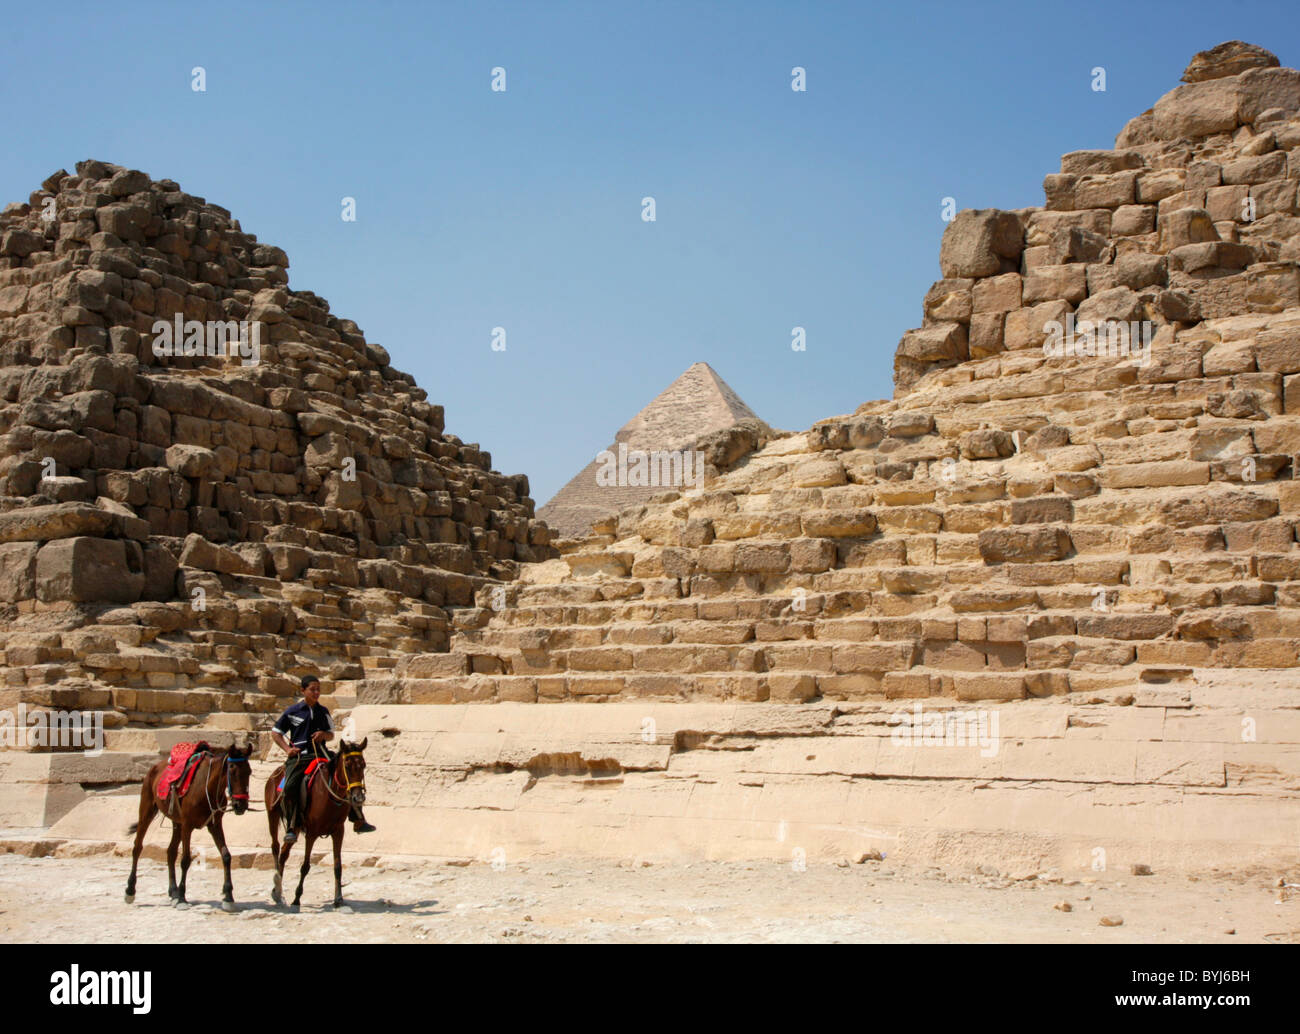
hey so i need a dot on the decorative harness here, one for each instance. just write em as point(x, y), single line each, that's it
point(350, 783)
point(223, 799)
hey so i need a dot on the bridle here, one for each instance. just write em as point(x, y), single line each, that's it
point(222, 804)
point(224, 799)
point(349, 783)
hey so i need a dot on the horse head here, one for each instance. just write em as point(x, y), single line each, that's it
point(352, 770)
point(239, 776)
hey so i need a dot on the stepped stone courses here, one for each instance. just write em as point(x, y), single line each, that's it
point(1098, 550)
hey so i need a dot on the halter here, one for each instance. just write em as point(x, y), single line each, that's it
point(230, 791)
point(351, 785)
point(223, 799)
point(344, 765)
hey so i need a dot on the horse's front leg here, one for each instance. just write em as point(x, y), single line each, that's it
point(227, 888)
point(302, 873)
point(338, 865)
point(172, 890)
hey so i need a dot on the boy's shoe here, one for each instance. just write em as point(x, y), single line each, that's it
point(362, 827)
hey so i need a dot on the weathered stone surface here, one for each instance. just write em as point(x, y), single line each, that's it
point(1186, 226)
point(931, 344)
point(1023, 546)
point(979, 241)
point(17, 571)
point(192, 461)
point(1231, 58)
point(85, 569)
point(1198, 110)
point(63, 520)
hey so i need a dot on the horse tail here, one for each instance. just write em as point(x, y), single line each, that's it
point(130, 830)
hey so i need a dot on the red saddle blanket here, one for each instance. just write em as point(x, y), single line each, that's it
point(312, 767)
point(178, 765)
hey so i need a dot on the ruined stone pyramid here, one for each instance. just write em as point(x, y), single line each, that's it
point(697, 404)
point(188, 521)
point(1095, 544)
point(1016, 522)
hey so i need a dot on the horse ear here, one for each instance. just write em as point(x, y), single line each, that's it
point(362, 744)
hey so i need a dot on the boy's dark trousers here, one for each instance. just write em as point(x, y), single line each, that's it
point(294, 768)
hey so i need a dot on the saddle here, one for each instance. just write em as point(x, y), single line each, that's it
point(314, 768)
point(181, 765)
point(310, 774)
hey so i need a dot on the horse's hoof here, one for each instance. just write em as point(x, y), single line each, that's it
point(129, 898)
point(294, 908)
point(345, 909)
point(180, 903)
point(229, 906)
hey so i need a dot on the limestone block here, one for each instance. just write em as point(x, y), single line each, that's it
point(1022, 546)
point(85, 569)
point(979, 241)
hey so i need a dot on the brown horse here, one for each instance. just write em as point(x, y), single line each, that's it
point(221, 781)
point(329, 799)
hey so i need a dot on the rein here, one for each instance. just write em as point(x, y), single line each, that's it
point(349, 785)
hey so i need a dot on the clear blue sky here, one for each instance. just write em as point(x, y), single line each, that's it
point(522, 209)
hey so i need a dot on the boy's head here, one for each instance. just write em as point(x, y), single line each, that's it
point(311, 689)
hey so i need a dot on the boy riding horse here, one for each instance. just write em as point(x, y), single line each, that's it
point(306, 725)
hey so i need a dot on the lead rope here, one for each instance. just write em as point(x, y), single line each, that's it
point(213, 812)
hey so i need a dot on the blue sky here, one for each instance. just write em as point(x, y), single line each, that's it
point(522, 209)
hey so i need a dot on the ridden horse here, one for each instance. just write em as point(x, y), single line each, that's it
point(221, 780)
point(329, 799)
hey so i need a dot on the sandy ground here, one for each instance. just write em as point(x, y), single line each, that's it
point(415, 900)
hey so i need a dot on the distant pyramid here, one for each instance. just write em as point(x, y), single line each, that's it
point(695, 404)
